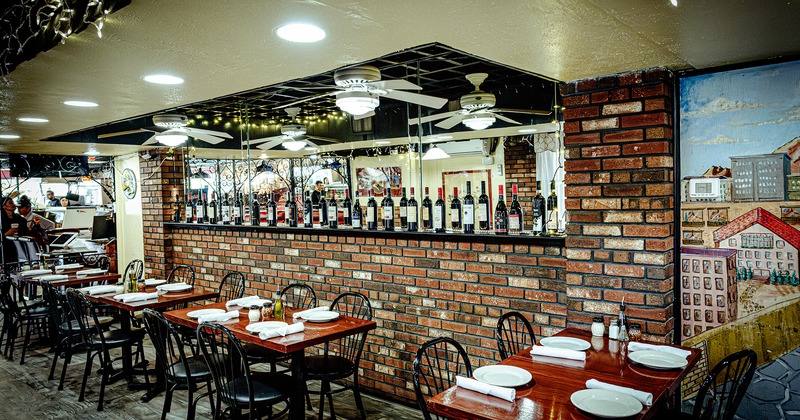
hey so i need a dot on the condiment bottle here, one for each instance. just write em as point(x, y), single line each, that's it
point(613, 329)
point(132, 284)
point(120, 286)
point(623, 332)
point(266, 310)
point(255, 313)
point(598, 328)
point(277, 309)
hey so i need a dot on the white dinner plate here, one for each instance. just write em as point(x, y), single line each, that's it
point(658, 359)
point(568, 343)
point(606, 404)
point(257, 327)
point(153, 282)
point(321, 316)
point(502, 375)
point(203, 312)
point(174, 287)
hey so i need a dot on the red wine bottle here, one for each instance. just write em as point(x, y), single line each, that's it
point(308, 211)
point(190, 209)
point(483, 209)
point(412, 213)
point(347, 208)
point(469, 210)
point(202, 213)
point(272, 211)
point(333, 212)
point(291, 211)
point(358, 216)
point(176, 210)
point(539, 226)
point(439, 214)
point(213, 216)
point(387, 205)
point(226, 210)
point(238, 215)
point(255, 211)
point(515, 214)
point(404, 210)
point(427, 212)
point(455, 211)
point(372, 212)
point(500, 214)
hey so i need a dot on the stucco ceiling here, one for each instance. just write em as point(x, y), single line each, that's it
point(223, 47)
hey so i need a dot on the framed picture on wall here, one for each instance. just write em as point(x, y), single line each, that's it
point(717, 217)
point(790, 213)
point(693, 218)
point(377, 179)
point(458, 179)
point(692, 237)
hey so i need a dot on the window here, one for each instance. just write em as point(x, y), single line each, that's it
point(750, 264)
point(758, 264)
point(769, 264)
point(779, 255)
point(731, 242)
point(789, 256)
point(780, 244)
point(740, 254)
point(748, 254)
point(790, 267)
point(757, 240)
point(767, 254)
point(756, 254)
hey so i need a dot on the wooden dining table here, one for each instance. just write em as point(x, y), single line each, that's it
point(71, 281)
point(293, 344)
point(547, 395)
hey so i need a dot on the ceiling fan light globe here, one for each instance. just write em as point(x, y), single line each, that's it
point(294, 145)
point(357, 102)
point(478, 122)
point(172, 139)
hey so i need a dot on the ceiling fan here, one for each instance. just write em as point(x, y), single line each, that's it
point(477, 109)
point(293, 136)
point(171, 130)
point(359, 89)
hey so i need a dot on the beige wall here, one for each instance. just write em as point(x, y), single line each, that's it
point(130, 240)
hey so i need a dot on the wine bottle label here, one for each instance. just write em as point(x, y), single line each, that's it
point(370, 214)
point(537, 224)
point(226, 214)
point(552, 221)
point(438, 216)
point(356, 222)
point(200, 213)
point(403, 211)
point(426, 216)
point(412, 215)
point(188, 213)
point(346, 212)
point(269, 216)
point(483, 212)
point(236, 212)
point(289, 215)
point(332, 214)
point(513, 222)
point(388, 212)
point(469, 214)
point(455, 215)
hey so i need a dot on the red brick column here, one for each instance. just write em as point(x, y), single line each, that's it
point(520, 167)
point(161, 179)
point(619, 177)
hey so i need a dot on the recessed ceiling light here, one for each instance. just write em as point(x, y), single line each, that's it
point(674, 2)
point(262, 156)
point(33, 119)
point(382, 142)
point(163, 79)
point(301, 32)
point(84, 104)
point(527, 130)
point(9, 136)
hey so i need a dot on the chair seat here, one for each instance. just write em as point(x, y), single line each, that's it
point(328, 366)
point(258, 354)
point(73, 325)
point(119, 338)
point(38, 312)
point(198, 369)
point(268, 389)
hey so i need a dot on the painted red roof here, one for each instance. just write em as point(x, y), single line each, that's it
point(763, 218)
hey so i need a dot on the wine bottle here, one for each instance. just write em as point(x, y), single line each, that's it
point(323, 209)
point(412, 213)
point(404, 211)
point(226, 210)
point(202, 214)
point(427, 212)
point(372, 212)
point(213, 216)
point(255, 211)
point(500, 214)
point(387, 205)
point(455, 211)
point(238, 210)
point(286, 216)
point(272, 211)
point(189, 209)
point(291, 211)
point(516, 218)
point(438, 214)
point(176, 210)
point(539, 227)
point(483, 209)
point(358, 215)
point(552, 210)
point(469, 210)
point(333, 212)
point(308, 211)
point(347, 208)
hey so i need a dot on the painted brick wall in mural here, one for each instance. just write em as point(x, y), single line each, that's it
point(740, 194)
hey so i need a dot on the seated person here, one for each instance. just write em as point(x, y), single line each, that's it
point(52, 201)
point(64, 202)
point(33, 221)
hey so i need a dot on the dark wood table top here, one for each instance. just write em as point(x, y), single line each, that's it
point(547, 396)
point(74, 280)
point(165, 300)
point(314, 333)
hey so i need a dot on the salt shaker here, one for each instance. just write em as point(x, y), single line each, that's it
point(255, 313)
point(598, 328)
point(613, 329)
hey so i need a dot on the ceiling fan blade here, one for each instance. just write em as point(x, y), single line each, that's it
point(362, 116)
point(429, 118)
point(450, 122)
point(262, 140)
point(416, 98)
point(151, 140)
point(325, 139)
point(119, 133)
point(205, 137)
point(506, 119)
point(310, 98)
point(222, 134)
point(271, 144)
point(523, 111)
point(394, 84)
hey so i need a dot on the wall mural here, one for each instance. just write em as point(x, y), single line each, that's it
point(740, 196)
point(376, 179)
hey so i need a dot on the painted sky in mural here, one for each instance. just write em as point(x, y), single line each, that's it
point(749, 111)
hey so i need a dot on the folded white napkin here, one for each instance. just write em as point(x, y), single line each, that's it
point(556, 352)
point(68, 267)
point(555, 361)
point(308, 311)
point(28, 273)
point(218, 317)
point(153, 282)
point(507, 394)
point(645, 398)
point(635, 346)
point(53, 277)
point(90, 272)
point(282, 331)
point(136, 297)
point(241, 301)
point(100, 289)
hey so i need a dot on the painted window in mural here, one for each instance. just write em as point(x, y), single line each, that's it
point(740, 195)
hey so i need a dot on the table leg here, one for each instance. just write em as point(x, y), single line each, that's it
point(297, 410)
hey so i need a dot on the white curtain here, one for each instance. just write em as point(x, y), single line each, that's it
point(550, 167)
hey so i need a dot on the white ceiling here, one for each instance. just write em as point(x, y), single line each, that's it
point(222, 47)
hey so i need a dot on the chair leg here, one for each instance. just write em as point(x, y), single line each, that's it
point(167, 401)
point(308, 396)
point(357, 396)
point(103, 381)
point(211, 400)
point(86, 372)
point(323, 388)
point(55, 361)
point(67, 359)
point(25, 342)
point(190, 399)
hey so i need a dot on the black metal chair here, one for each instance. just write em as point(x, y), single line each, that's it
point(436, 366)
point(96, 261)
point(236, 386)
point(68, 337)
point(231, 287)
point(340, 358)
point(21, 315)
point(181, 274)
point(135, 267)
point(98, 342)
point(513, 334)
point(178, 370)
point(723, 389)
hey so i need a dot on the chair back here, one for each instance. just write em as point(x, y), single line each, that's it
point(724, 387)
point(513, 334)
point(33, 249)
point(7, 304)
point(299, 296)
point(349, 347)
point(96, 261)
point(22, 252)
point(227, 361)
point(83, 312)
point(231, 287)
point(168, 345)
point(13, 295)
point(135, 267)
point(436, 366)
point(181, 274)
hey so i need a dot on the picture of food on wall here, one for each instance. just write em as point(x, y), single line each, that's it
point(377, 179)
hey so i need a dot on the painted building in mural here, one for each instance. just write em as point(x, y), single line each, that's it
point(764, 244)
point(760, 177)
point(702, 189)
point(709, 295)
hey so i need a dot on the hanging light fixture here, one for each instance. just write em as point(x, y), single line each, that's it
point(294, 145)
point(172, 138)
point(435, 153)
point(478, 121)
point(355, 102)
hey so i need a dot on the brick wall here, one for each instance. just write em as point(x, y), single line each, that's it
point(419, 289)
point(520, 167)
point(161, 180)
point(619, 176)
